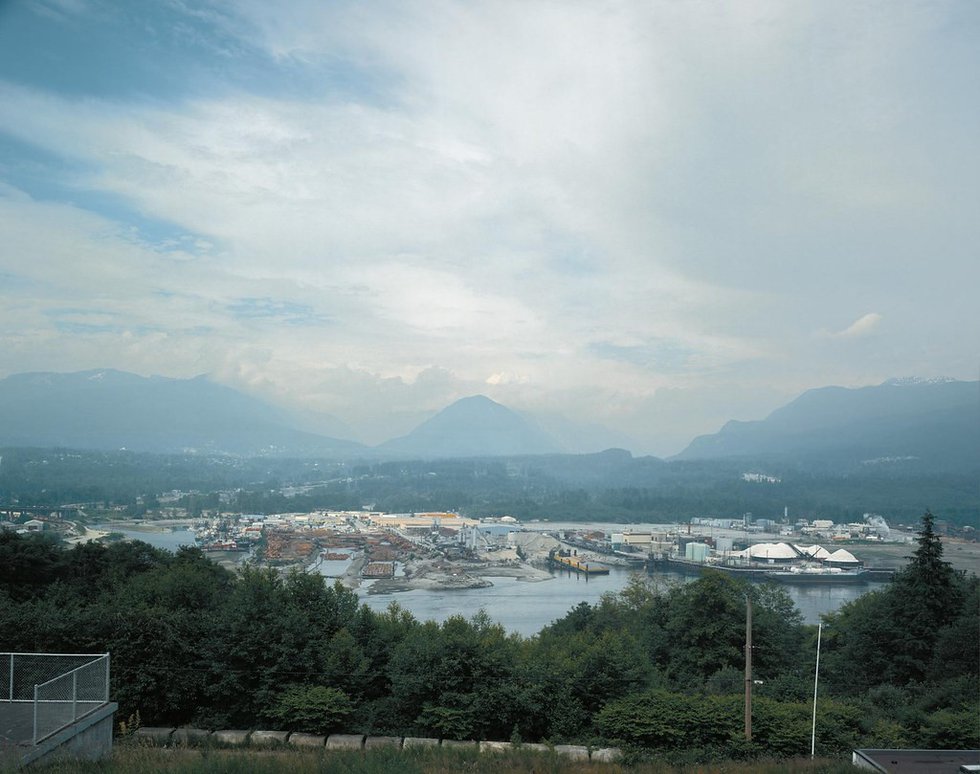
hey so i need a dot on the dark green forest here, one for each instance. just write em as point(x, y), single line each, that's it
point(656, 669)
point(610, 486)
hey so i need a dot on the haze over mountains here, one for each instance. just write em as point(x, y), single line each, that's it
point(109, 409)
point(472, 427)
point(933, 425)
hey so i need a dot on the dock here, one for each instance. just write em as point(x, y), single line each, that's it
point(577, 565)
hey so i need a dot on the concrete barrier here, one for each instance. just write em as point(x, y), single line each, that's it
point(300, 739)
point(576, 752)
point(231, 736)
point(154, 735)
point(419, 741)
point(536, 747)
point(382, 741)
point(268, 738)
point(345, 741)
point(188, 736)
point(496, 747)
point(607, 755)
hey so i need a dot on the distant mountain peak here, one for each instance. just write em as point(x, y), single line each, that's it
point(108, 409)
point(909, 381)
point(933, 425)
point(475, 400)
point(474, 426)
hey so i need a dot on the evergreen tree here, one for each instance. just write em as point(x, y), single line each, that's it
point(927, 596)
point(891, 636)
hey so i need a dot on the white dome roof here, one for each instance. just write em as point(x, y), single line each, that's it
point(771, 551)
point(841, 556)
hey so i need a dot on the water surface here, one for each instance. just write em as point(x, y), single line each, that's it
point(520, 606)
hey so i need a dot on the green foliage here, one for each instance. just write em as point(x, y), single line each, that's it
point(669, 721)
point(672, 721)
point(658, 668)
point(708, 618)
point(28, 564)
point(456, 678)
point(610, 487)
point(948, 729)
point(727, 680)
point(922, 626)
point(454, 722)
point(315, 709)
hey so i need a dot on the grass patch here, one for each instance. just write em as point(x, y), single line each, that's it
point(132, 759)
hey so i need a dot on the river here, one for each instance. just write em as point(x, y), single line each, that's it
point(524, 607)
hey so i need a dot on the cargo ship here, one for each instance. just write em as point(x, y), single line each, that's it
point(806, 575)
point(791, 574)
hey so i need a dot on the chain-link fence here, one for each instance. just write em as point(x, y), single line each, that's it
point(63, 687)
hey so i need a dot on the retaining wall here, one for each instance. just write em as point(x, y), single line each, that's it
point(88, 738)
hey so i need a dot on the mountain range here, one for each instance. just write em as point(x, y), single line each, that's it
point(928, 424)
point(933, 424)
point(109, 409)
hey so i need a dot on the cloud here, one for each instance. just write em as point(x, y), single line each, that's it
point(506, 378)
point(589, 203)
point(860, 327)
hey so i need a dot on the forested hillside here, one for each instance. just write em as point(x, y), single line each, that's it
point(653, 668)
point(611, 486)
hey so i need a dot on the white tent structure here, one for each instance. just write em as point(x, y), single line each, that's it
point(770, 553)
point(842, 558)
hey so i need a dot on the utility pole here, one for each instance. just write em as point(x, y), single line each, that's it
point(816, 676)
point(748, 668)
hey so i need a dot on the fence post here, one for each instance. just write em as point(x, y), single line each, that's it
point(107, 678)
point(74, 694)
point(35, 713)
point(10, 696)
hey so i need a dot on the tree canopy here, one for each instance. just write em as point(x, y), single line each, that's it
point(651, 666)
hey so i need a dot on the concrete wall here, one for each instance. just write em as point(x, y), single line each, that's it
point(90, 738)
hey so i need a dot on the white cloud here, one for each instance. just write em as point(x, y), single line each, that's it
point(589, 203)
point(862, 326)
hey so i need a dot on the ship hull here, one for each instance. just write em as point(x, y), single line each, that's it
point(666, 564)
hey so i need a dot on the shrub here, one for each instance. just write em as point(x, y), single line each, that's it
point(314, 709)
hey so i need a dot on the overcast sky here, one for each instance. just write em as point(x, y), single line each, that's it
point(653, 215)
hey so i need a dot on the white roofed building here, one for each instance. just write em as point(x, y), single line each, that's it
point(771, 553)
point(842, 558)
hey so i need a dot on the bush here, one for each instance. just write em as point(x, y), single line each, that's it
point(668, 721)
point(315, 709)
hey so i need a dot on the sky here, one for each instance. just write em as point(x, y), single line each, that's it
point(646, 217)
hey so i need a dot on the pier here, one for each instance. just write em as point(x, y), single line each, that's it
point(577, 565)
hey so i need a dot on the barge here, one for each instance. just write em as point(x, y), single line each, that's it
point(793, 574)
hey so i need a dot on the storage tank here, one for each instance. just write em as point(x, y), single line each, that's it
point(723, 545)
point(696, 552)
